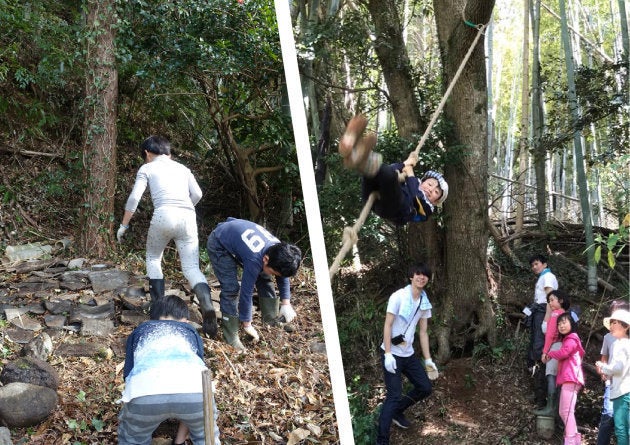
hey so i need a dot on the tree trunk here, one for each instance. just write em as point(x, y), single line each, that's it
point(538, 118)
point(522, 158)
point(580, 168)
point(623, 22)
point(99, 146)
point(309, 25)
point(466, 302)
point(422, 242)
point(489, 62)
point(392, 55)
point(323, 145)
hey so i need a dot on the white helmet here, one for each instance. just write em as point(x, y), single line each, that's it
point(441, 181)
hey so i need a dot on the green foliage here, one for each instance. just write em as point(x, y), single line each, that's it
point(363, 420)
point(469, 381)
point(4, 351)
point(39, 67)
point(613, 245)
point(495, 354)
point(363, 327)
point(81, 396)
point(78, 426)
point(98, 424)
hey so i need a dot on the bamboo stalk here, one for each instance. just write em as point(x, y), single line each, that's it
point(208, 406)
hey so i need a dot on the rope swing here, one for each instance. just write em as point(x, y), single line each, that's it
point(350, 234)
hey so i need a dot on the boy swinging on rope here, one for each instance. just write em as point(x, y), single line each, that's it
point(412, 200)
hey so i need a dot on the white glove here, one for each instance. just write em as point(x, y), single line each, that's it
point(390, 363)
point(431, 368)
point(251, 331)
point(121, 232)
point(543, 327)
point(286, 311)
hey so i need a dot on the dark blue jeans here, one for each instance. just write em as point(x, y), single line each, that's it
point(387, 184)
point(225, 268)
point(606, 422)
point(395, 402)
point(537, 337)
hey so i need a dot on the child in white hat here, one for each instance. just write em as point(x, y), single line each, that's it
point(619, 371)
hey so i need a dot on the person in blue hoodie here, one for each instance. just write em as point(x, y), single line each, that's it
point(407, 309)
point(238, 243)
point(163, 376)
point(412, 200)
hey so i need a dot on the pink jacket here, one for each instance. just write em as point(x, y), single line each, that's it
point(552, 335)
point(569, 358)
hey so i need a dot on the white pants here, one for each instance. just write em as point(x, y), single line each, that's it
point(179, 225)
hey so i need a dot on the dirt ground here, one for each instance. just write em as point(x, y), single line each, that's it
point(480, 404)
point(279, 391)
point(486, 397)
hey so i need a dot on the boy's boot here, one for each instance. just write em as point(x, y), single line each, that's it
point(356, 151)
point(368, 161)
point(551, 408)
point(269, 309)
point(209, 325)
point(230, 332)
point(156, 291)
point(353, 132)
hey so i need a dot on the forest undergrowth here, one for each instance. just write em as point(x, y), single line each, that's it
point(484, 394)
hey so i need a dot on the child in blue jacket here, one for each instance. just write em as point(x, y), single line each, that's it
point(412, 200)
point(238, 243)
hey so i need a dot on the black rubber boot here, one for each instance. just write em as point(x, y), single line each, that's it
point(156, 290)
point(209, 326)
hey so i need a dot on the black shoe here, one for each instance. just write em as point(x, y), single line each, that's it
point(401, 422)
point(210, 326)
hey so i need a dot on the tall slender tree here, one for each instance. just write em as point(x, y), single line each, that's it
point(539, 153)
point(523, 152)
point(579, 155)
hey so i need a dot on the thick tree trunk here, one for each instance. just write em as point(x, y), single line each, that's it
point(99, 148)
point(466, 302)
point(392, 55)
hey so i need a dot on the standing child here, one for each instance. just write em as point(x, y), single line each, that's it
point(606, 421)
point(618, 369)
point(400, 202)
point(558, 302)
point(174, 193)
point(570, 376)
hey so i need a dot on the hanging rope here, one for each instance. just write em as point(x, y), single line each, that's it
point(436, 113)
point(350, 234)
